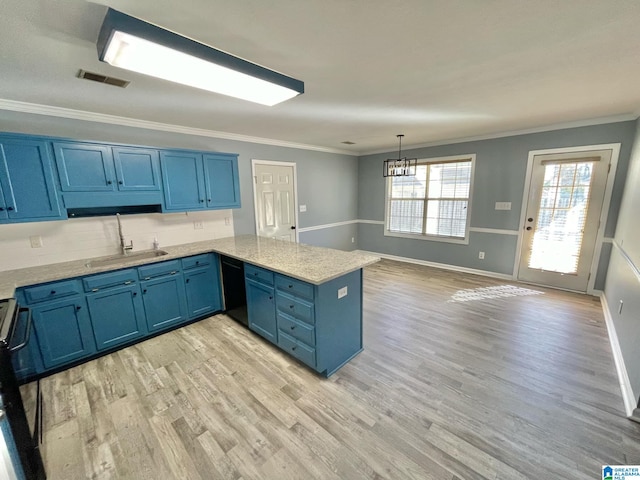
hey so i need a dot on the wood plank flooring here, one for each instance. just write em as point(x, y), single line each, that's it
point(516, 387)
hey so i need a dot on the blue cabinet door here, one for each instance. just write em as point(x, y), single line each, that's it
point(137, 169)
point(84, 167)
point(27, 188)
point(63, 331)
point(261, 309)
point(26, 361)
point(221, 181)
point(117, 316)
point(182, 178)
point(165, 301)
point(203, 290)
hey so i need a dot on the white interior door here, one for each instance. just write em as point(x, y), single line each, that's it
point(563, 217)
point(275, 199)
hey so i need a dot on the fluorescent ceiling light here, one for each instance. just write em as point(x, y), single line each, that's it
point(132, 44)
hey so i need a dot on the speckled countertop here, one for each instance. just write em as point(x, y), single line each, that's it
point(308, 263)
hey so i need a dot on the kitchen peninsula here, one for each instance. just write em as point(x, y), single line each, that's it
point(306, 300)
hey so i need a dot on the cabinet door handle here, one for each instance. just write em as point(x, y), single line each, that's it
point(209, 200)
point(290, 286)
point(95, 289)
point(291, 307)
point(120, 182)
point(270, 298)
point(53, 292)
point(186, 281)
point(135, 294)
point(128, 282)
point(109, 182)
point(143, 291)
point(202, 200)
point(197, 262)
point(173, 272)
point(10, 209)
point(1, 209)
point(293, 327)
point(147, 278)
point(78, 307)
point(293, 348)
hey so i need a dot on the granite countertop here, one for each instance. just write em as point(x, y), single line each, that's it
point(305, 262)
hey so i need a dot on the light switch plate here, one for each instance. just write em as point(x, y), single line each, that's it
point(303, 208)
point(36, 242)
point(198, 225)
point(342, 292)
point(503, 205)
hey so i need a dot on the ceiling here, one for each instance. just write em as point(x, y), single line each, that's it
point(434, 70)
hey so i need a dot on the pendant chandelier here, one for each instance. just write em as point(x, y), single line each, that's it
point(399, 167)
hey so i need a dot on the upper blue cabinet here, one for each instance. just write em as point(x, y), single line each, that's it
point(27, 187)
point(96, 175)
point(195, 181)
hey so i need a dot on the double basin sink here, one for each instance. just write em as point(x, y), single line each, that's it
point(124, 259)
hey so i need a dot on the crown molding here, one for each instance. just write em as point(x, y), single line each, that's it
point(548, 128)
point(61, 112)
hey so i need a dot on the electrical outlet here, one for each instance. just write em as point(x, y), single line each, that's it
point(36, 242)
point(227, 221)
point(198, 225)
point(353, 239)
point(342, 292)
point(303, 208)
point(481, 255)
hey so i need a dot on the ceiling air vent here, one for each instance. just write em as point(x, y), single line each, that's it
point(98, 77)
point(349, 143)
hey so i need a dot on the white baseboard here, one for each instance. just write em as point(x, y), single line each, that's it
point(443, 266)
point(630, 401)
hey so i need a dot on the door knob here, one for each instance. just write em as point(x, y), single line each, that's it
point(293, 227)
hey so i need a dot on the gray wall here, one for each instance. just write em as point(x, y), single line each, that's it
point(327, 183)
point(623, 277)
point(499, 177)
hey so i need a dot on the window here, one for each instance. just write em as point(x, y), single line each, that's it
point(433, 204)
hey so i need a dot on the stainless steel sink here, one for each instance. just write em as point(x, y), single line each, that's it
point(123, 259)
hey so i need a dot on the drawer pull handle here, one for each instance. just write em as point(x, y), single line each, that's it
point(135, 294)
point(293, 348)
point(255, 273)
point(53, 292)
point(10, 209)
point(291, 307)
point(120, 182)
point(1, 209)
point(290, 286)
point(197, 262)
point(95, 289)
point(293, 327)
point(147, 278)
point(270, 298)
point(144, 291)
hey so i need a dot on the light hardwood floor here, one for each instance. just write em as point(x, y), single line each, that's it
point(520, 387)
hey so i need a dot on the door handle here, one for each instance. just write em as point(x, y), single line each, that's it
point(293, 227)
point(529, 228)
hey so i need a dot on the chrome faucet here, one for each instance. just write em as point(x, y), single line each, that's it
point(125, 248)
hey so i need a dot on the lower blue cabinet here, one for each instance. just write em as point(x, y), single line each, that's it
point(63, 330)
point(165, 301)
point(117, 315)
point(261, 309)
point(202, 284)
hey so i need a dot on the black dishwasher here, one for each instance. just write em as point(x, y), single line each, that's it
point(235, 296)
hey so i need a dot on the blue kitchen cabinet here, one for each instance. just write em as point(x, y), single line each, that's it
point(85, 167)
point(261, 309)
point(261, 303)
point(115, 307)
point(63, 331)
point(163, 295)
point(183, 180)
point(137, 169)
point(27, 187)
point(27, 361)
point(202, 282)
point(222, 184)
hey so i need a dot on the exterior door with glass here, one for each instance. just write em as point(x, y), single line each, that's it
point(274, 196)
point(563, 217)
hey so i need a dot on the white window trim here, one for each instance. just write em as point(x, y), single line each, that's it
point(434, 238)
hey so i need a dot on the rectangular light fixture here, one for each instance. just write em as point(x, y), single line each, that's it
point(133, 44)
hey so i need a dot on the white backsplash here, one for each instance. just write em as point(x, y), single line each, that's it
point(80, 238)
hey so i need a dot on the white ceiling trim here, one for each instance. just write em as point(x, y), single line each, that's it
point(49, 110)
point(548, 128)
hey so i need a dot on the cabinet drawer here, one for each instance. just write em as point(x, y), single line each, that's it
point(301, 331)
point(295, 307)
point(251, 272)
point(158, 269)
point(299, 350)
point(104, 280)
point(197, 261)
point(52, 291)
point(294, 287)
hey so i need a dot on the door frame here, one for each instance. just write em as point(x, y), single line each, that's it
point(254, 162)
point(606, 203)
